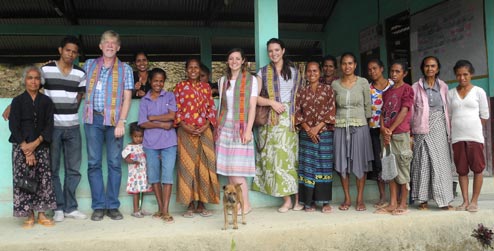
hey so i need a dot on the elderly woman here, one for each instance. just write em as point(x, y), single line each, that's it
point(353, 152)
point(431, 173)
point(196, 160)
point(469, 110)
point(276, 172)
point(31, 127)
point(315, 117)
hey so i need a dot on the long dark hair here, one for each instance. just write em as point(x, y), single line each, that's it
point(286, 72)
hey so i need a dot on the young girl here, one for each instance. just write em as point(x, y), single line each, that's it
point(136, 158)
point(395, 131)
point(156, 114)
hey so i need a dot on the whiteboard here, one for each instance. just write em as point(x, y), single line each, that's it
point(450, 31)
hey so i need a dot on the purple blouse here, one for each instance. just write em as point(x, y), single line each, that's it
point(158, 138)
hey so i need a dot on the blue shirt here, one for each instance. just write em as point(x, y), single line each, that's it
point(99, 92)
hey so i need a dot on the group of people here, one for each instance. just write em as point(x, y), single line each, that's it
point(317, 124)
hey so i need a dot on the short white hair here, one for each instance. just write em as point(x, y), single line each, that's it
point(33, 68)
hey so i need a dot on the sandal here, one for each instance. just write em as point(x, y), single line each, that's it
point(205, 213)
point(423, 206)
point(326, 209)
point(383, 210)
point(298, 207)
point(344, 207)
point(400, 211)
point(157, 215)
point(46, 222)
point(137, 214)
point(145, 213)
point(447, 208)
point(360, 207)
point(167, 218)
point(310, 209)
point(381, 204)
point(28, 224)
point(188, 214)
point(461, 208)
point(472, 208)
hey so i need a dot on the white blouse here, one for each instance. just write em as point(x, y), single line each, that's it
point(465, 115)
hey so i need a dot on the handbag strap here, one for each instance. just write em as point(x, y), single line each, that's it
point(384, 152)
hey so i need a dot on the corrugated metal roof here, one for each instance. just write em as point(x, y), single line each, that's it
point(294, 16)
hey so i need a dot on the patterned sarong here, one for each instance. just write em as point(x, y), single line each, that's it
point(196, 169)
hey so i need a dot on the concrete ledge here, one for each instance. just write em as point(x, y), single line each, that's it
point(266, 229)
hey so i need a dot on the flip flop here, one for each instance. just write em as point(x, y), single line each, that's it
point(326, 209)
point(400, 211)
point(46, 222)
point(28, 224)
point(461, 208)
point(381, 204)
point(310, 209)
point(167, 218)
point(298, 207)
point(473, 208)
point(158, 215)
point(344, 207)
point(382, 211)
point(188, 214)
point(246, 212)
point(448, 208)
point(423, 207)
point(360, 207)
point(205, 213)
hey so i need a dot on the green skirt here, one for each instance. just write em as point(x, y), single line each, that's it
point(277, 162)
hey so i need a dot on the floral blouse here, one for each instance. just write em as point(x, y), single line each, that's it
point(315, 107)
point(195, 104)
point(377, 103)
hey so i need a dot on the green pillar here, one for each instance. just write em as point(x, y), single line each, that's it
point(489, 35)
point(206, 51)
point(266, 27)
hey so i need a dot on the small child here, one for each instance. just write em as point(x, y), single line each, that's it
point(395, 132)
point(135, 157)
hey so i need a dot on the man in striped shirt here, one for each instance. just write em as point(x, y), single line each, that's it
point(65, 85)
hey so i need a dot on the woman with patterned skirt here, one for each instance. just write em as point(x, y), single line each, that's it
point(431, 169)
point(235, 156)
point(31, 127)
point(276, 160)
point(196, 160)
point(315, 117)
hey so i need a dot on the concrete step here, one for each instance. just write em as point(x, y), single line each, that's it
point(266, 229)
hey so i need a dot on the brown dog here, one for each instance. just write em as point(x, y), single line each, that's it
point(232, 198)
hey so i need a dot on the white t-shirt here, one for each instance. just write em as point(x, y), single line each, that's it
point(466, 113)
point(229, 96)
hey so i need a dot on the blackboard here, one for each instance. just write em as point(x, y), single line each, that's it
point(451, 30)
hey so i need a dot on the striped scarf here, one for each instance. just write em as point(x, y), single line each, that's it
point(113, 93)
point(241, 102)
point(270, 81)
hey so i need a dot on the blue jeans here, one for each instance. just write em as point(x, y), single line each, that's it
point(68, 142)
point(160, 164)
point(96, 135)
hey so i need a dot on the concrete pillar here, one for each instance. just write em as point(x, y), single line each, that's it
point(489, 34)
point(206, 51)
point(266, 27)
